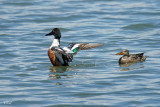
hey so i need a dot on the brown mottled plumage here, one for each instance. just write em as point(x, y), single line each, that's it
point(130, 58)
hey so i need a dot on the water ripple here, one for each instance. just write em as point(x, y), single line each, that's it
point(94, 78)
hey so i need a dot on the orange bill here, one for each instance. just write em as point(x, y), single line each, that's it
point(120, 53)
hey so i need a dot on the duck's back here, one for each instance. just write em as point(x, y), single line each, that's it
point(132, 58)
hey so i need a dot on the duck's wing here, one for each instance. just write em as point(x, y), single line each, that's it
point(141, 56)
point(58, 50)
point(75, 47)
point(66, 56)
point(85, 46)
point(137, 57)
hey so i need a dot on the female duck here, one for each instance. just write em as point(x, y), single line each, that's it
point(130, 58)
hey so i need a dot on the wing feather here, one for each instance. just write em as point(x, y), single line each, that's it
point(76, 47)
point(85, 46)
point(67, 56)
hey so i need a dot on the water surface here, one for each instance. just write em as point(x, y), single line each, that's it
point(94, 78)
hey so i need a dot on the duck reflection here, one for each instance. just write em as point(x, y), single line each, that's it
point(131, 66)
point(126, 65)
point(58, 71)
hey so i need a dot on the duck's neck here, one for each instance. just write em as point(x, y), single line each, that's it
point(55, 43)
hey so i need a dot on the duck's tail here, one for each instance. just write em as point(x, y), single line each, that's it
point(144, 58)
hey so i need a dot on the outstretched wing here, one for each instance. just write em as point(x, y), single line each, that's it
point(75, 47)
point(85, 46)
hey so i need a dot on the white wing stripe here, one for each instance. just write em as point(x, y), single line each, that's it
point(75, 46)
point(67, 50)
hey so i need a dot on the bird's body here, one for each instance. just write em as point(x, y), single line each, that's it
point(130, 58)
point(62, 56)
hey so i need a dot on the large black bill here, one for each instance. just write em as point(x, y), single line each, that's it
point(51, 33)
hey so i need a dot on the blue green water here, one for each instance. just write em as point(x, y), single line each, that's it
point(94, 78)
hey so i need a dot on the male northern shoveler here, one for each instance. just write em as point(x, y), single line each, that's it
point(62, 56)
point(130, 58)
